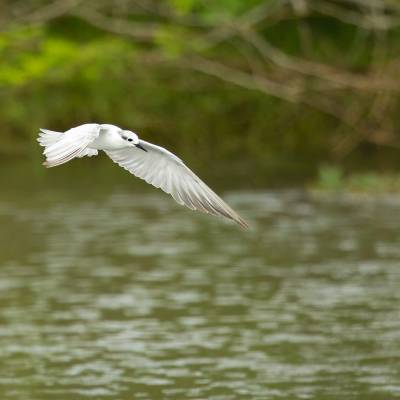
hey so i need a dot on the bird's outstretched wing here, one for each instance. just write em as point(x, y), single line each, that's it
point(164, 170)
point(63, 147)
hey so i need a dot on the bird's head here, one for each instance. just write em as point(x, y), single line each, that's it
point(129, 136)
point(132, 139)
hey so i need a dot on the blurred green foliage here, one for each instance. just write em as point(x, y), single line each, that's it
point(67, 71)
point(332, 179)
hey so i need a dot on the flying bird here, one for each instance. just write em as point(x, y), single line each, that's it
point(152, 163)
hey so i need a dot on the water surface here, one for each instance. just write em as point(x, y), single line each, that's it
point(125, 295)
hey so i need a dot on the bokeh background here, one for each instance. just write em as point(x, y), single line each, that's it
point(290, 110)
point(274, 89)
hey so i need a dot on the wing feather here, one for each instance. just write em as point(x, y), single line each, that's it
point(164, 170)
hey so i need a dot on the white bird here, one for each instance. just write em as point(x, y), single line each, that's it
point(147, 161)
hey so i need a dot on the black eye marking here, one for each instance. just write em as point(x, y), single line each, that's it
point(130, 140)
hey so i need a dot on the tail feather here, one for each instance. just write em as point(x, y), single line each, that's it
point(49, 138)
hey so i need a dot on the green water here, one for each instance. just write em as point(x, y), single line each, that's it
point(121, 294)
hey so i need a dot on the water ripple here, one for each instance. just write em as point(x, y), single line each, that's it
point(130, 296)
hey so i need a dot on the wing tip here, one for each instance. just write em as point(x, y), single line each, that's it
point(242, 223)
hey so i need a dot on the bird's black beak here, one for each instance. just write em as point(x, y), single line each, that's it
point(139, 146)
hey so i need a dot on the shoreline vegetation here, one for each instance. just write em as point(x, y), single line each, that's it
point(332, 180)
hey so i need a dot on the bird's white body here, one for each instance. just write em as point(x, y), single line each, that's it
point(147, 161)
point(109, 138)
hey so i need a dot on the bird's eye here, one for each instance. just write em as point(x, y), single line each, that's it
point(130, 140)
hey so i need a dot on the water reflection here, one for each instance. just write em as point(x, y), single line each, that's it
point(130, 296)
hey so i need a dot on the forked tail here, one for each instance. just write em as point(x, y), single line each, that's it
point(53, 149)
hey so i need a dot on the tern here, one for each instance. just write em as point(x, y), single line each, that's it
point(152, 163)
